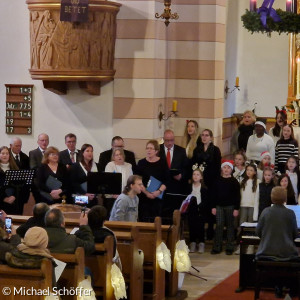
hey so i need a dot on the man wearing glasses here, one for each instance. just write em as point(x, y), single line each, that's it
point(105, 157)
point(70, 155)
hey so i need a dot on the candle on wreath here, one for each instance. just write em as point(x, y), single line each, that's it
point(289, 5)
point(252, 5)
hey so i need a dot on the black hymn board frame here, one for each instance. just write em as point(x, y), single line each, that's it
point(18, 109)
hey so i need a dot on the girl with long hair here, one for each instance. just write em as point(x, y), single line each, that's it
point(190, 137)
point(265, 188)
point(285, 147)
point(197, 209)
point(281, 120)
point(249, 195)
point(292, 169)
point(285, 182)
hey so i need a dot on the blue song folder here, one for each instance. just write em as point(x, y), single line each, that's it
point(153, 185)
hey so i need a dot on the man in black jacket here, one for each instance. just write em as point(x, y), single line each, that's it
point(21, 159)
point(70, 155)
point(176, 159)
point(105, 157)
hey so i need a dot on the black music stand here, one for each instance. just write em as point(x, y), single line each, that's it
point(14, 181)
point(104, 183)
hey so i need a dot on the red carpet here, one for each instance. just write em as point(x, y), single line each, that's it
point(225, 291)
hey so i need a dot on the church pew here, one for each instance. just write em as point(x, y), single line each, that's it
point(149, 239)
point(23, 279)
point(132, 262)
point(73, 273)
point(170, 236)
point(100, 263)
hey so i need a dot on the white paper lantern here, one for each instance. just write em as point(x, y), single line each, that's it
point(163, 255)
point(182, 259)
point(118, 283)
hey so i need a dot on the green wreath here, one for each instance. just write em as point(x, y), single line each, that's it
point(290, 22)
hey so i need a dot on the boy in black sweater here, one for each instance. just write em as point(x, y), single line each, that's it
point(226, 203)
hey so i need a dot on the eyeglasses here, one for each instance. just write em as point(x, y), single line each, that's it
point(205, 134)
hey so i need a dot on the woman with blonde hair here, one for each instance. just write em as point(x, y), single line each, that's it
point(118, 165)
point(241, 135)
point(150, 204)
point(191, 137)
point(52, 178)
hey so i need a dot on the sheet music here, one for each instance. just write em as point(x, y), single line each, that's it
point(59, 268)
point(296, 209)
point(74, 230)
point(247, 224)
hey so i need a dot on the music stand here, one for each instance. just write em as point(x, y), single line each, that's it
point(104, 183)
point(15, 180)
point(18, 177)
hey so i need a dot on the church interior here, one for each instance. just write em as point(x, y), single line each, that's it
point(203, 66)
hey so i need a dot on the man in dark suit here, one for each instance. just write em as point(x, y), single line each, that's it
point(71, 154)
point(105, 157)
point(36, 156)
point(21, 159)
point(176, 159)
point(35, 161)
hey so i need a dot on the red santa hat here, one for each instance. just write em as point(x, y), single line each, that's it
point(227, 163)
point(264, 154)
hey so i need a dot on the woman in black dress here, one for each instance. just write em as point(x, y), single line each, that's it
point(10, 202)
point(78, 173)
point(208, 158)
point(241, 135)
point(52, 178)
point(152, 165)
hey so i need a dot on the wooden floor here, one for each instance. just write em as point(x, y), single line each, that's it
point(215, 268)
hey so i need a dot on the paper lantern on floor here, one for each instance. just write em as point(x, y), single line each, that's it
point(87, 292)
point(118, 283)
point(163, 255)
point(182, 259)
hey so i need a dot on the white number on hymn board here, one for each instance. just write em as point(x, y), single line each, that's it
point(25, 106)
point(25, 90)
point(9, 129)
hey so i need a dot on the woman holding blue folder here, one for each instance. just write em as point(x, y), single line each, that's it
point(153, 167)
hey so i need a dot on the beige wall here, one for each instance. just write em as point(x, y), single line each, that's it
point(154, 65)
point(157, 64)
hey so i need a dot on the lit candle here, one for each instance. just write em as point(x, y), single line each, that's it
point(237, 81)
point(295, 6)
point(289, 5)
point(252, 5)
point(174, 105)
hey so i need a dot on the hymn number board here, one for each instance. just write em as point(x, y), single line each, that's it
point(18, 109)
